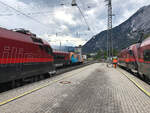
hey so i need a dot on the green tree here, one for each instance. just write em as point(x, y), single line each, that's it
point(88, 56)
point(115, 52)
point(105, 54)
point(146, 35)
point(98, 55)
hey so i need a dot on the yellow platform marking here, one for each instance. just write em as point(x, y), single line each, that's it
point(40, 87)
point(138, 85)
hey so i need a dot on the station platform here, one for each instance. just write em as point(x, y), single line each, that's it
point(90, 89)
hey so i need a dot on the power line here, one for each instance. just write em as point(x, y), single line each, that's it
point(29, 13)
point(86, 14)
point(23, 14)
point(83, 17)
point(75, 4)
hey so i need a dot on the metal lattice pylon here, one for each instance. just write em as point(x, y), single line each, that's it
point(109, 30)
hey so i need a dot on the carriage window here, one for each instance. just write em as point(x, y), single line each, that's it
point(59, 56)
point(147, 55)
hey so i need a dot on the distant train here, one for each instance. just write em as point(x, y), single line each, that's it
point(137, 58)
point(66, 58)
point(23, 55)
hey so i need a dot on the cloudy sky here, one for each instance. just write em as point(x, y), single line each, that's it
point(55, 22)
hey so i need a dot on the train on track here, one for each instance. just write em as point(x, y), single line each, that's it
point(136, 58)
point(24, 55)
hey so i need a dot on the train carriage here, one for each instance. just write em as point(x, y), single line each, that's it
point(137, 58)
point(144, 58)
point(61, 58)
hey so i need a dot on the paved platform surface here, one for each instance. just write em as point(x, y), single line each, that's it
point(92, 89)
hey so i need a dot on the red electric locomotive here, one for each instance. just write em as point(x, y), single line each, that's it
point(23, 55)
point(137, 58)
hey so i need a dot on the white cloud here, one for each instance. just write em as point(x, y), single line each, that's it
point(64, 28)
point(66, 20)
point(63, 16)
point(64, 40)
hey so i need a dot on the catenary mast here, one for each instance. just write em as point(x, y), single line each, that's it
point(109, 30)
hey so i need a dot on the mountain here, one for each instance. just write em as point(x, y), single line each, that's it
point(124, 34)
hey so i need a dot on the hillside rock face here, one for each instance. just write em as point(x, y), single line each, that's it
point(124, 34)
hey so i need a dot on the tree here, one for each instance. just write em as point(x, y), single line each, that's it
point(88, 56)
point(105, 54)
point(146, 35)
point(98, 55)
point(115, 52)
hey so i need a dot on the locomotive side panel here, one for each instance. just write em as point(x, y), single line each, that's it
point(144, 60)
point(23, 57)
point(9, 69)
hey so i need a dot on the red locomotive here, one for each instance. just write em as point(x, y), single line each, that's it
point(23, 55)
point(137, 58)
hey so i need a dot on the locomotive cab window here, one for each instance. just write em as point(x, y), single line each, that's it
point(131, 52)
point(38, 40)
point(48, 49)
point(41, 47)
point(147, 55)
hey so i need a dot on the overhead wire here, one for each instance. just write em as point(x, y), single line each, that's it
point(23, 14)
point(45, 25)
point(29, 13)
point(85, 10)
point(74, 4)
point(98, 3)
point(87, 15)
